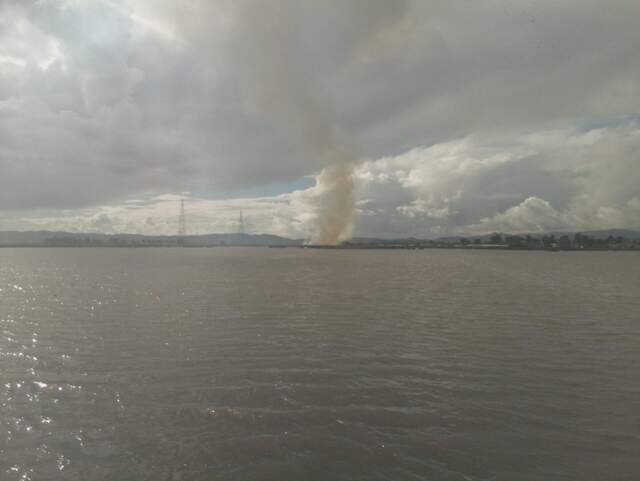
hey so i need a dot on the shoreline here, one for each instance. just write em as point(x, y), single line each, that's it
point(329, 247)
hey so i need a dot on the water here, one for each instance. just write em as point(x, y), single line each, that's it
point(291, 364)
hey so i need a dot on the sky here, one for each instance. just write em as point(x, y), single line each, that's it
point(320, 119)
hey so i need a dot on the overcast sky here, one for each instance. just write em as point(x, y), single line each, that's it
point(457, 117)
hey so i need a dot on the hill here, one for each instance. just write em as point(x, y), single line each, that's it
point(59, 238)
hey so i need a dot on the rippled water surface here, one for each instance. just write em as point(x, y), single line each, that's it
point(292, 364)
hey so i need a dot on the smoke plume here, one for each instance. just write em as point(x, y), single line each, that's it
point(275, 63)
point(336, 203)
point(275, 86)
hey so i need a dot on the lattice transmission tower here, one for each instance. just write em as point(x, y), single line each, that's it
point(182, 223)
point(241, 227)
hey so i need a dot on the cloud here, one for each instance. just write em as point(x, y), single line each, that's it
point(462, 112)
point(532, 215)
point(535, 215)
point(513, 182)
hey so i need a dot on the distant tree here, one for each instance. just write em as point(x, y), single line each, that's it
point(477, 241)
point(496, 238)
point(564, 242)
point(548, 240)
point(582, 240)
point(513, 240)
point(587, 241)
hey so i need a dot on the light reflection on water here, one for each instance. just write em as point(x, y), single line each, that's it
point(206, 364)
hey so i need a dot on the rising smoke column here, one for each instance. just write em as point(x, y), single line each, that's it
point(336, 202)
point(267, 60)
point(277, 87)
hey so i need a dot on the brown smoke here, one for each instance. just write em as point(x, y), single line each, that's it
point(336, 203)
point(276, 86)
point(265, 54)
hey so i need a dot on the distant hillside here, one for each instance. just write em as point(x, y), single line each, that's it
point(51, 238)
point(59, 238)
point(596, 234)
point(603, 234)
point(241, 240)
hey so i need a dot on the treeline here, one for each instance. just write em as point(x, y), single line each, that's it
point(550, 241)
point(100, 241)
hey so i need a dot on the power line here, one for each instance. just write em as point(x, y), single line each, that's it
point(241, 227)
point(182, 223)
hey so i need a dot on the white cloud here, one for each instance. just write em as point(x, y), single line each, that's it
point(517, 181)
point(465, 113)
point(520, 182)
point(287, 214)
point(532, 215)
